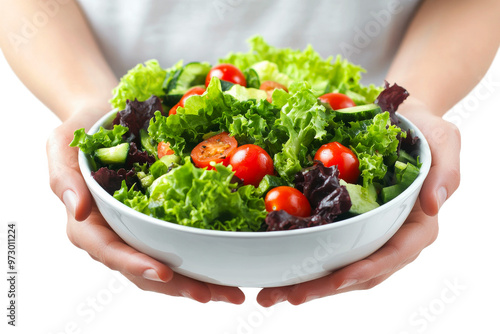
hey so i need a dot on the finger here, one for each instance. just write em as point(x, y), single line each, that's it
point(270, 296)
point(444, 175)
point(179, 285)
point(416, 233)
point(226, 294)
point(66, 180)
point(94, 236)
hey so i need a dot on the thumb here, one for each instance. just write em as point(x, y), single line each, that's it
point(66, 179)
point(444, 175)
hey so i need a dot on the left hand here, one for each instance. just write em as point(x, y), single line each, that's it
point(419, 230)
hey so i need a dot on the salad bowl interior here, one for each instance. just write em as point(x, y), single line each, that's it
point(258, 259)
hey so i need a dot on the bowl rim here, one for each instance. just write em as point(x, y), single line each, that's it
point(96, 189)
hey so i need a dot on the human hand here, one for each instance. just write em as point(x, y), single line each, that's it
point(419, 230)
point(87, 229)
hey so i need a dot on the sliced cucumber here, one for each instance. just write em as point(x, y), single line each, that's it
point(147, 143)
point(357, 113)
point(115, 155)
point(269, 182)
point(362, 199)
point(192, 74)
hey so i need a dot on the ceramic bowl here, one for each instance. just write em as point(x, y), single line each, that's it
point(258, 259)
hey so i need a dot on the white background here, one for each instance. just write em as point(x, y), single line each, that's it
point(62, 290)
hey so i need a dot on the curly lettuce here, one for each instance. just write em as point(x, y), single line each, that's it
point(208, 199)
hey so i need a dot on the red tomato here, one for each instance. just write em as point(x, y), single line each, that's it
point(336, 154)
point(164, 149)
point(216, 149)
point(226, 72)
point(289, 199)
point(270, 86)
point(251, 163)
point(191, 92)
point(337, 100)
point(173, 110)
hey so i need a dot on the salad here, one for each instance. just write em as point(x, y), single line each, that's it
point(272, 139)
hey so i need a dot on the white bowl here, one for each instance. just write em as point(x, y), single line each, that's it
point(258, 259)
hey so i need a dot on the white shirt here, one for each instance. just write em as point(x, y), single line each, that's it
point(367, 32)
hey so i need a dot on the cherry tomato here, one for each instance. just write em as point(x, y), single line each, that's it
point(226, 72)
point(337, 100)
point(216, 149)
point(336, 154)
point(164, 149)
point(173, 110)
point(289, 199)
point(191, 92)
point(251, 163)
point(270, 86)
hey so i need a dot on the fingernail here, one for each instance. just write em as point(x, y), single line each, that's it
point(69, 200)
point(347, 283)
point(311, 297)
point(186, 294)
point(442, 195)
point(220, 299)
point(151, 275)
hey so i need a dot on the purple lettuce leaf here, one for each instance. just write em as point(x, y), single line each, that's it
point(390, 99)
point(141, 157)
point(328, 199)
point(111, 180)
point(136, 116)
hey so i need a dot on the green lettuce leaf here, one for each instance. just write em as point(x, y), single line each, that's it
point(207, 199)
point(304, 120)
point(139, 83)
point(324, 75)
point(102, 138)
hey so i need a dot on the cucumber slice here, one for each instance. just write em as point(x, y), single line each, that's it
point(252, 78)
point(362, 199)
point(115, 155)
point(147, 143)
point(357, 113)
point(192, 74)
point(269, 182)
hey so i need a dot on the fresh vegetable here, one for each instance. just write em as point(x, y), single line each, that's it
point(337, 100)
point(269, 87)
point(346, 161)
point(251, 163)
point(344, 157)
point(164, 149)
point(288, 199)
point(193, 91)
point(227, 72)
point(214, 150)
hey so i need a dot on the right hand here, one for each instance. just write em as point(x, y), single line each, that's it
point(88, 230)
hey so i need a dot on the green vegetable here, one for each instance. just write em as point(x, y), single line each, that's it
point(269, 182)
point(362, 199)
point(303, 120)
point(242, 94)
point(102, 138)
point(406, 173)
point(324, 75)
point(139, 83)
point(199, 198)
point(115, 155)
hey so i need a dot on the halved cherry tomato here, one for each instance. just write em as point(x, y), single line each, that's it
point(226, 72)
point(337, 100)
point(191, 92)
point(289, 199)
point(337, 154)
point(216, 149)
point(164, 149)
point(270, 86)
point(251, 163)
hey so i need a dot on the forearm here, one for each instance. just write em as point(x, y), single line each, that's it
point(59, 61)
point(446, 51)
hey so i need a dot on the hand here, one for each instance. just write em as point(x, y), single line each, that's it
point(88, 230)
point(419, 230)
